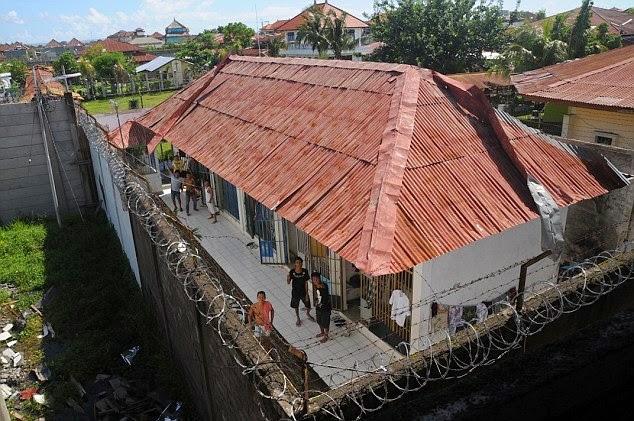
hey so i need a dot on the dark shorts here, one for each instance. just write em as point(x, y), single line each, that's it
point(323, 318)
point(176, 195)
point(296, 298)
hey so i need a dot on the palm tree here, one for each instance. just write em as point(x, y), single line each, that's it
point(337, 35)
point(275, 44)
point(311, 31)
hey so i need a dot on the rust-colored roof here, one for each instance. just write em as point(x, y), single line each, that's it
point(112, 46)
point(611, 17)
point(133, 133)
point(157, 35)
point(482, 80)
point(388, 165)
point(5, 47)
point(604, 81)
point(53, 43)
point(52, 88)
point(75, 43)
point(294, 23)
point(275, 25)
point(144, 58)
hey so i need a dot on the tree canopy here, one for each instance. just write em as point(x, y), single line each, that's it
point(326, 31)
point(111, 66)
point(68, 61)
point(202, 52)
point(237, 36)
point(17, 68)
point(445, 35)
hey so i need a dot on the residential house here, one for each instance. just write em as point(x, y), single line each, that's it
point(75, 43)
point(400, 172)
point(167, 71)
point(273, 28)
point(111, 46)
point(53, 44)
point(618, 21)
point(594, 96)
point(122, 36)
point(357, 28)
point(176, 32)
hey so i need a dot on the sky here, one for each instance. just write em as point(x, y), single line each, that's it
point(39, 21)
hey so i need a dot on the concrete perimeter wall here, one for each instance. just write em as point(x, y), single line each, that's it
point(25, 186)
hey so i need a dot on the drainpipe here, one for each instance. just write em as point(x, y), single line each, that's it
point(522, 284)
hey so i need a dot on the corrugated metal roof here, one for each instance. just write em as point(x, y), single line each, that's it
point(389, 165)
point(482, 79)
point(603, 81)
point(156, 63)
point(53, 88)
point(613, 18)
point(134, 134)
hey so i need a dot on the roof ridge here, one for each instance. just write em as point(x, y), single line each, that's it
point(379, 228)
point(591, 72)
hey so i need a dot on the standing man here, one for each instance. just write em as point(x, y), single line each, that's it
point(322, 306)
point(190, 192)
point(262, 313)
point(299, 277)
point(176, 183)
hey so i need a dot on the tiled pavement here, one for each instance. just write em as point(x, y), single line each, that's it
point(226, 243)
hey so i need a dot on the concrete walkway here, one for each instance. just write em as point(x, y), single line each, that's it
point(347, 355)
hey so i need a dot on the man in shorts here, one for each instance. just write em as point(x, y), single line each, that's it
point(176, 184)
point(262, 313)
point(323, 307)
point(299, 278)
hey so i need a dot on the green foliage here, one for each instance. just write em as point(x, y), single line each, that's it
point(110, 65)
point(444, 35)
point(102, 106)
point(580, 31)
point(326, 31)
point(311, 31)
point(275, 44)
point(68, 61)
point(541, 14)
point(17, 68)
point(22, 255)
point(237, 37)
point(201, 52)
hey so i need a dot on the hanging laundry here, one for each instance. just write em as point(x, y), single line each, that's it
point(454, 317)
point(482, 312)
point(400, 307)
point(438, 320)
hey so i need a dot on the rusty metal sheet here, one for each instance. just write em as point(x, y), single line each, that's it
point(388, 165)
point(604, 81)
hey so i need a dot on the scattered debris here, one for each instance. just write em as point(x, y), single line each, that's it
point(8, 353)
point(80, 389)
point(71, 402)
point(42, 372)
point(3, 360)
point(17, 415)
point(50, 329)
point(6, 390)
point(17, 359)
point(41, 399)
point(27, 394)
point(130, 354)
point(10, 344)
point(50, 294)
point(4, 336)
point(44, 331)
point(7, 327)
point(37, 310)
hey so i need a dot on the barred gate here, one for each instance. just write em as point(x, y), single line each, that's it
point(330, 265)
point(229, 198)
point(376, 291)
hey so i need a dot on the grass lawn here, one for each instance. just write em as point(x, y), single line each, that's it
point(97, 311)
point(102, 106)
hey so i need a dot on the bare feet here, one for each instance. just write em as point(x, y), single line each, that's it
point(298, 322)
point(324, 339)
point(319, 335)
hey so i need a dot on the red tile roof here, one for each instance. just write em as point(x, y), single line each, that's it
point(275, 25)
point(293, 24)
point(133, 133)
point(388, 165)
point(111, 46)
point(53, 43)
point(604, 81)
point(75, 43)
point(157, 35)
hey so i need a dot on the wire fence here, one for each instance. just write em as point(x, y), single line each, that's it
point(372, 383)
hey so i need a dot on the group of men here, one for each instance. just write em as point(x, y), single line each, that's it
point(262, 312)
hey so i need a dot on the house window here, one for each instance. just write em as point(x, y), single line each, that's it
point(351, 33)
point(290, 36)
point(605, 138)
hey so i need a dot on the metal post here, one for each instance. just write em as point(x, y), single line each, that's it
point(305, 365)
point(49, 165)
point(522, 283)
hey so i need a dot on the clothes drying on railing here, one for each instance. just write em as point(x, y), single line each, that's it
point(400, 307)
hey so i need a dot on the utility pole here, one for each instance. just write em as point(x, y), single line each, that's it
point(49, 165)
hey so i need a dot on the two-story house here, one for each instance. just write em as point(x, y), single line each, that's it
point(176, 32)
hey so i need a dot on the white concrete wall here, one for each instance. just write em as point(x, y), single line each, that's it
point(585, 123)
point(455, 271)
point(110, 202)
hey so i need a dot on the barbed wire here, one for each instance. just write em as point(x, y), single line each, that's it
point(366, 385)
